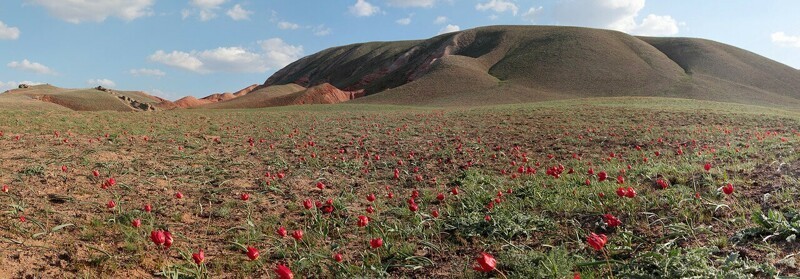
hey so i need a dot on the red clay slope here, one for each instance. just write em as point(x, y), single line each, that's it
point(191, 101)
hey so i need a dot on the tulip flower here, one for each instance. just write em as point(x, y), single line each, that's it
point(167, 240)
point(283, 272)
point(158, 237)
point(5, 188)
point(297, 235)
point(376, 243)
point(338, 257)
point(252, 253)
point(320, 185)
point(707, 167)
point(370, 209)
point(435, 213)
point(178, 195)
point(307, 204)
point(199, 257)
point(371, 197)
point(485, 263)
point(281, 232)
point(597, 241)
point(611, 221)
point(728, 189)
point(363, 221)
point(602, 176)
point(111, 204)
point(136, 223)
point(440, 196)
point(630, 193)
point(95, 173)
point(245, 196)
point(148, 208)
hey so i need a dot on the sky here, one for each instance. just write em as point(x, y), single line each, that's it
point(175, 48)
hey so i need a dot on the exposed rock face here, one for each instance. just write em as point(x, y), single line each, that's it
point(325, 94)
point(191, 101)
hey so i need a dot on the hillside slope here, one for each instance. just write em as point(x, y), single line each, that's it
point(511, 64)
point(89, 99)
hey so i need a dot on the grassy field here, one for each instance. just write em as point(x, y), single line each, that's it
point(522, 183)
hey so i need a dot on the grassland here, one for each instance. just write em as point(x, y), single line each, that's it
point(534, 222)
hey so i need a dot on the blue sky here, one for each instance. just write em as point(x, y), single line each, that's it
point(174, 48)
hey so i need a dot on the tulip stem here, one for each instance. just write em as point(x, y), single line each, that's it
point(501, 273)
point(608, 263)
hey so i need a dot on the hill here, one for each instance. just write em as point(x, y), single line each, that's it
point(90, 99)
point(191, 101)
point(512, 64)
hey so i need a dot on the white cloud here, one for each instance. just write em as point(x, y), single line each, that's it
point(278, 53)
point(14, 85)
point(207, 10)
point(440, 20)
point(238, 13)
point(102, 82)
point(363, 8)
point(285, 25)
point(618, 15)
point(274, 53)
point(29, 66)
point(178, 59)
point(411, 3)
point(781, 39)
point(498, 6)
point(76, 11)
point(8, 32)
point(321, 30)
point(532, 14)
point(404, 21)
point(147, 72)
point(449, 28)
point(655, 25)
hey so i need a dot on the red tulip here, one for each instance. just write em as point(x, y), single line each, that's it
point(178, 195)
point(631, 193)
point(440, 196)
point(371, 197)
point(485, 263)
point(320, 185)
point(413, 207)
point(283, 272)
point(435, 213)
point(245, 196)
point(588, 182)
point(597, 241)
point(454, 191)
point(136, 223)
point(307, 204)
point(297, 235)
point(111, 204)
point(22, 219)
point(376, 243)
point(591, 171)
point(64, 168)
point(602, 176)
point(167, 240)
point(622, 192)
point(281, 232)
point(338, 257)
point(199, 257)
point(148, 208)
point(611, 221)
point(707, 166)
point(370, 209)
point(487, 218)
point(662, 183)
point(95, 173)
point(5, 188)
point(252, 253)
point(620, 179)
point(363, 221)
point(728, 189)
point(158, 237)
